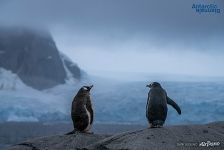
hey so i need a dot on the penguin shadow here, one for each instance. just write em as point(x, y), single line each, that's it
point(154, 126)
point(80, 132)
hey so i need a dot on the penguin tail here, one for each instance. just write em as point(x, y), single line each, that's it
point(72, 132)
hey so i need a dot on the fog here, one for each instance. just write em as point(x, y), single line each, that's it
point(121, 39)
point(134, 56)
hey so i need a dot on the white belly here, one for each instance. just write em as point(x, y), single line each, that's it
point(89, 120)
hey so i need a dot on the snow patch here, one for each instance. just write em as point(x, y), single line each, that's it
point(64, 57)
point(70, 78)
point(9, 80)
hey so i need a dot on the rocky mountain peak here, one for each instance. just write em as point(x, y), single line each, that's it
point(33, 55)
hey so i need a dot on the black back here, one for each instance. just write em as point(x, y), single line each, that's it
point(156, 108)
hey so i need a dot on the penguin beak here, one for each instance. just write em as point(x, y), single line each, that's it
point(149, 85)
point(90, 87)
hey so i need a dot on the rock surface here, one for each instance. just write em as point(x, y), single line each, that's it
point(65, 142)
point(166, 138)
point(32, 54)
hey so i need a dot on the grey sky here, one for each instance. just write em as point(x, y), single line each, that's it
point(149, 36)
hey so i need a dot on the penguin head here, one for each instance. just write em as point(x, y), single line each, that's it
point(153, 84)
point(85, 90)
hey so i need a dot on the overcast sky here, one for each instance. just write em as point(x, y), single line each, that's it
point(125, 36)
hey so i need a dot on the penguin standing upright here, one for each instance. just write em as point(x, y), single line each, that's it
point(82, 111)
point(156, 108)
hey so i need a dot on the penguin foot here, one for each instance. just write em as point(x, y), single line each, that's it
point(87, 132)
point(158, 126)
point(72, 132)
point(155, 126)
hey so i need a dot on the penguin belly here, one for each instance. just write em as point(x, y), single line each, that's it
point(89, 120)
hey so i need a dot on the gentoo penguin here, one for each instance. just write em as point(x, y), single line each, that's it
point(156, 108)
point(82, 111)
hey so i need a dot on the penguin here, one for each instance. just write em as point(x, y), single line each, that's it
point(156, 108)
point(82, 111)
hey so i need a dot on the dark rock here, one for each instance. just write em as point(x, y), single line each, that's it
point(32, 54)
point(205, 131)
point(59, 142)
point(166, 138)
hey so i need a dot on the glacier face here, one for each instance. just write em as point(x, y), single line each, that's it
point(201, 102)
point(114, 102)
point(20, 102)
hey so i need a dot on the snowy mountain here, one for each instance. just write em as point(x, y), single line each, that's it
point(32, 55)
point(30, 62)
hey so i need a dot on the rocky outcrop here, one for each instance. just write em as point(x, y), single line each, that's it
point(210, 136)
point(32, 54)
point(167, 138)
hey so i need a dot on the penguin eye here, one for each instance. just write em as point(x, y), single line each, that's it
point(85, 88)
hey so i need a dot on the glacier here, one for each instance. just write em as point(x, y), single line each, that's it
point(114, 102)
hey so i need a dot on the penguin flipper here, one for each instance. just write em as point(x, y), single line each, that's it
point(172, 103)
point(147, 108)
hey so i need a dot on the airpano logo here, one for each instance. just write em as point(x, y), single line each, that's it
point(206, 8)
